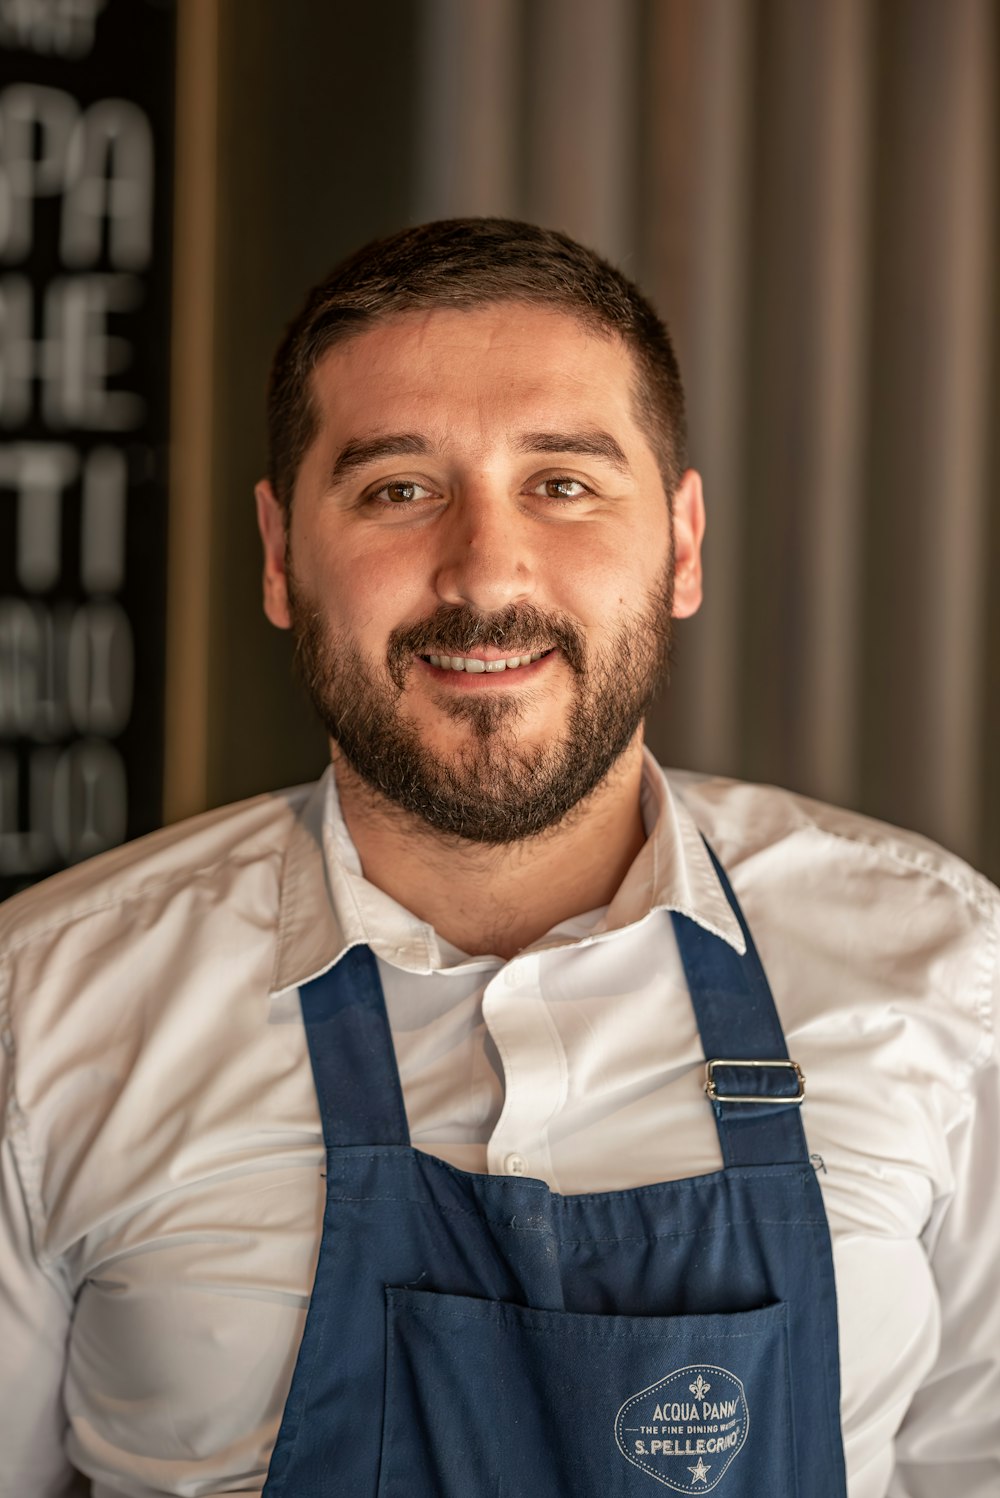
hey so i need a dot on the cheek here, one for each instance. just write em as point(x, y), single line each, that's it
point(366, 592)
point(616, 581)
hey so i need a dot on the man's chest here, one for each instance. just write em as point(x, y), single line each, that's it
point(193, 1279)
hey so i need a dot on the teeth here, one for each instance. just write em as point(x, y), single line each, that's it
point(469, 663)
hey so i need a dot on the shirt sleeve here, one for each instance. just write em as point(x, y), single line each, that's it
point(949, 1441)
point(34, 1326)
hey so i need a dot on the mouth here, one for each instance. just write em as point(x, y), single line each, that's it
point(492, 664)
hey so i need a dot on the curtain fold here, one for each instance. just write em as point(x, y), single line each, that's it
point(809, 191)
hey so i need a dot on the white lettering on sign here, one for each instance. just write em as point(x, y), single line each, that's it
point(74, 359)
point(109, 185)
point(63, 27)
point(36, 124)
point(38, 472)
point(64, 669)
point(17, 350)
point(98, 162)
point(76, 193)
point(77, 802)
point(102, 542)
point(80, 355)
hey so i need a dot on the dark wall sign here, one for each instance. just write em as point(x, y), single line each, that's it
point(86, 120)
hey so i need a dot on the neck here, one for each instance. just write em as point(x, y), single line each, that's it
point(498, 900)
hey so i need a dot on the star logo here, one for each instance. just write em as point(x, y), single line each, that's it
point(700, 1473)
point(699, 1388)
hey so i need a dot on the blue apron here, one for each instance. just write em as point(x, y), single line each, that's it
point(477, 1336)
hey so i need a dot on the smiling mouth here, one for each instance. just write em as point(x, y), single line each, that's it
point(474, 664)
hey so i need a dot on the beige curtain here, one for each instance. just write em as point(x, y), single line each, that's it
point(809, 189)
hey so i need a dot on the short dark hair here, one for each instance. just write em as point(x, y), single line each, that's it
point(468, 262)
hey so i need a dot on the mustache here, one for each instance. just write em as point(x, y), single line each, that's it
point(517, 629)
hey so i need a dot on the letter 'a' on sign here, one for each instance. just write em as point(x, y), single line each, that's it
point(687, 1429)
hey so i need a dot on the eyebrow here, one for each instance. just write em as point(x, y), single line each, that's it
point(361, 452)
point(589, 444)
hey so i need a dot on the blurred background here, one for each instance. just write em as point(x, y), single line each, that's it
point(809, 190)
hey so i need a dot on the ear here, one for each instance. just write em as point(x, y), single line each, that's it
point(689, 530)
point(271, 522)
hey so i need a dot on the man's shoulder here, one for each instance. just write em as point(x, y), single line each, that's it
point(234, 837)
point(751, 824)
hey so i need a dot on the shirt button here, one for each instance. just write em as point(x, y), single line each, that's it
point(515, 1165)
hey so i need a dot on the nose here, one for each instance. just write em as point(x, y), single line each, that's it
point(486, 552)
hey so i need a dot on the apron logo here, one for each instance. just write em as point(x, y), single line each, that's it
point(686, 1429)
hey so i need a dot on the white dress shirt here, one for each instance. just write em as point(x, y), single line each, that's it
point(160, 1170)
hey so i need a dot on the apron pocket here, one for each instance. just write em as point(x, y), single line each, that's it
point(490, 1400)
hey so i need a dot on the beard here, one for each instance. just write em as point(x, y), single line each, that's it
point(494, 789)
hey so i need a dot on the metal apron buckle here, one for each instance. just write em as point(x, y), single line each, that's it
point(716, 1096)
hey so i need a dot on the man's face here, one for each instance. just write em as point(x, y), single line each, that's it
point(478, 492)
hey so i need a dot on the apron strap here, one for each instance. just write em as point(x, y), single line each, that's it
point(353, 1060)
point(738, 1021)
point(357, 1079)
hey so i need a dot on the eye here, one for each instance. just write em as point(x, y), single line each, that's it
point(399, 492)
point(562, 488)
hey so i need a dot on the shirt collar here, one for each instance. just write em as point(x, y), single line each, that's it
point(327, 905)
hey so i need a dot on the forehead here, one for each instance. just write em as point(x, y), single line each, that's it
point(482, 365)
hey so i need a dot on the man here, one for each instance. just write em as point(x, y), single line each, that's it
point(357, 1137)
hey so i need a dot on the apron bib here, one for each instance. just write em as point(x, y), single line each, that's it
point(477, 1336)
